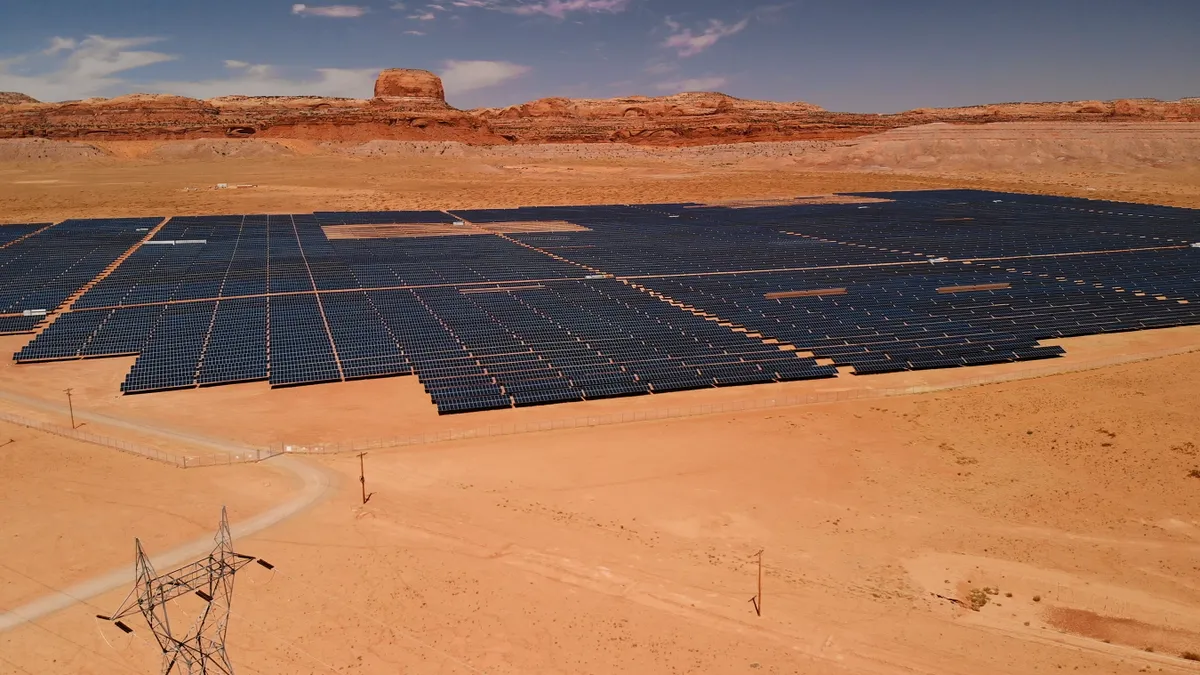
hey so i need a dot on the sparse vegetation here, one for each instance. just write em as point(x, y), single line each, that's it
point(1149, 649)
point(1188, 449)
point(977, 598)
point(1037, 598)
point(1194, 473)
point(1190, 656)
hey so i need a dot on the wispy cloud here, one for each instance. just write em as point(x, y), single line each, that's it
point(414, 32)
point(98, 66)
point(688, 43)
point(329, 11)
point(464, 76)
point(60, 44)
point(561, 8)
point(693, 84)
point(661, 68)
point(247, 79)
point(83, 68)
point(558, 9)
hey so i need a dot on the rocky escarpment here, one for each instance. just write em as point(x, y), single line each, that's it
point(1129, 110)
point(13, 98)
point(705, 118)
point(690, 118)
point(410, 105)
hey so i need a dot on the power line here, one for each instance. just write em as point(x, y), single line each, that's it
point(15, 665)
point(83, 647)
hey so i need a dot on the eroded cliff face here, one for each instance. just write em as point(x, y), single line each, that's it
point(681, 119)
point(405, 83)
point(1129, 110)
point(13, 98)
point(411, 105)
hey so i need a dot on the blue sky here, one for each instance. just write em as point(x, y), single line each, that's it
point(851, 55)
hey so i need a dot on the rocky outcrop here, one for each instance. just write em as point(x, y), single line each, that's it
point(421, 115)
point(709, 118)
point(410, 105)
point(691, 118)
point(1141, 109)
point(405, 83)
point(14, 98)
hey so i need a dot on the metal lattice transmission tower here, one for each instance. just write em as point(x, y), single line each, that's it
point(201, 650)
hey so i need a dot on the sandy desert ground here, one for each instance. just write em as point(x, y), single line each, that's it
point(1038, 525)
point(1142, 162)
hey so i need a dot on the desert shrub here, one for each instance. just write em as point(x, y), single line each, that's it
point(977, 598)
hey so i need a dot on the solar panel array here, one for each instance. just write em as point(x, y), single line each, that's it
point(42, 265)
point(639, 300)
point(14, 231)
point(15, 324)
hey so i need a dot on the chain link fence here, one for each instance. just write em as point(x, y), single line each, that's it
point(194, 460)
point(181, 460)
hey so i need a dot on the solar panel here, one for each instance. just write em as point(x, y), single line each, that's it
point(636, 300)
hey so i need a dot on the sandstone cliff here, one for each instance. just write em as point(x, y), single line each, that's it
point(410, 105)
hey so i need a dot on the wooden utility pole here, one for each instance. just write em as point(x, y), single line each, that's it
point(757, 599)
point(362, 475)
point(71, 407)
point(760, 583)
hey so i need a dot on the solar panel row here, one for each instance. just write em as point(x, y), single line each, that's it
point(171, 357)
point(42, 270)
point(236, 347)
point(233, 261)
point(10, 325)
point(491, 322)
point(13, 231)
point(894, 316)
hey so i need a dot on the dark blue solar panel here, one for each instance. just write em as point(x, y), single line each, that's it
point(45, 268)
point(18, 324)
point(300, 348)
point(702, 296)
point(236, 350)
point(63, 339)
point(14, 231)
point(171, 357)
